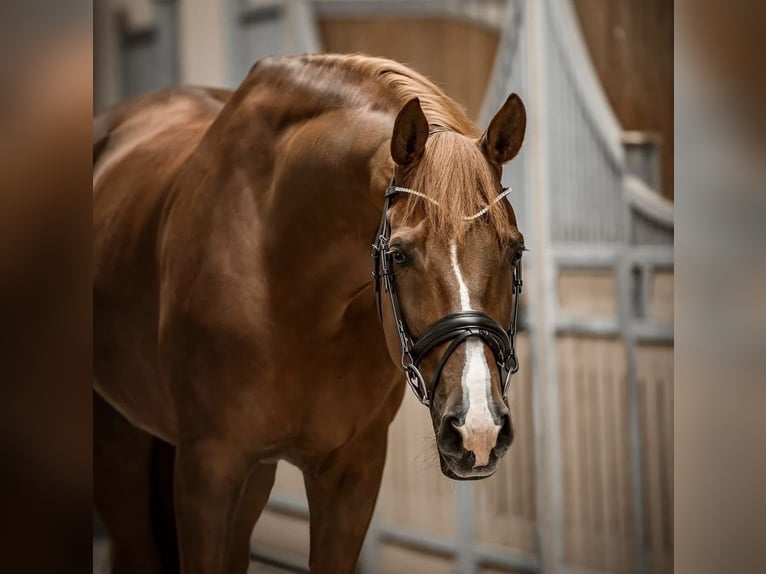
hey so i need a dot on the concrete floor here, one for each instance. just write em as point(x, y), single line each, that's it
point(101, 557)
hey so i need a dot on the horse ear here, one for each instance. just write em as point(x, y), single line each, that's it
point(505, 134)
point(410, 133)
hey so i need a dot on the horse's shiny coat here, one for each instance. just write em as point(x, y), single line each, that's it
point(233, 312)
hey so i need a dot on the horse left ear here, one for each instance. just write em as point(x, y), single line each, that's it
point(505, 134)
point(408, 141)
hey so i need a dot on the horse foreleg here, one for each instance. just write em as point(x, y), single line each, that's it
point(341, 495)
point(254, 499)
point(129, 495)
point(209, 479)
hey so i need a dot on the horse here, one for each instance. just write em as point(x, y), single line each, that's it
point(236, 316)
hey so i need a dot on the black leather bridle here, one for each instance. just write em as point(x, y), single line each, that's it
point(455, 327)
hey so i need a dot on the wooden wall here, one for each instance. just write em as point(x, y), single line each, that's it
point(595, 449)
point(594, 404)
point(631, 44)
point(457, 55)
point(655, 385)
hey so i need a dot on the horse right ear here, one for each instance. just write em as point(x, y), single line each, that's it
point(408, 141)
point(505, 134)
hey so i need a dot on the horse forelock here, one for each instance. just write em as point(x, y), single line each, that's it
point(456, 175)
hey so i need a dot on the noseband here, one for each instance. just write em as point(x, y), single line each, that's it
point(454, 328)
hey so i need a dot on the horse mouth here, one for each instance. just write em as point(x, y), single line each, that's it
point(450, 470)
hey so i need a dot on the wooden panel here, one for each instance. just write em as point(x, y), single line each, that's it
point(457, 55)
point(587, 293)
point(279, 534)
point(505, 503)
point(396, 560)
point(496, 571)
point(203, 62)
point(661, 302)
point(655, 383)
point(415, 494)
point(631, 44)
point(289, 482)
point(282, 535)
point(595, 451)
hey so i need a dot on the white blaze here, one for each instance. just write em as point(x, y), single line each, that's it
point(479, 431)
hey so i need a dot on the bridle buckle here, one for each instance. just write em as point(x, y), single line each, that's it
point(417, 384)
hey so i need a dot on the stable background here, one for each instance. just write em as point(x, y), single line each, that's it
point(587, 485)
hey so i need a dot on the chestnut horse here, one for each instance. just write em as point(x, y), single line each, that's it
point(235, 314)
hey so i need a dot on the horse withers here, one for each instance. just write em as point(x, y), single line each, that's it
point(236, 317)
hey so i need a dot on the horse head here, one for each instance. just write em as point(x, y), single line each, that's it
point(451, 251)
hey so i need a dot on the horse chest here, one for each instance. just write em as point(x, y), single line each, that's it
point(341, 409)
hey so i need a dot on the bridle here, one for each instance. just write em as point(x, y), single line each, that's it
point(455, 327)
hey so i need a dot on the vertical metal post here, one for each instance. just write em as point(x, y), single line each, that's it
point(466, 528)
point(302, 27)
point(626, 321)
point(626, 318)
point(647, 272)
point(545, 384)
point(369, 559)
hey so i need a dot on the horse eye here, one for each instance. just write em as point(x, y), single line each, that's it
point(516, 257)
point(398, 256)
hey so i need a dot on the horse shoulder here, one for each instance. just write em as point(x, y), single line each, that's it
point(139, 146)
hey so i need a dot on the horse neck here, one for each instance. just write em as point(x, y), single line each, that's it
point(321, 213)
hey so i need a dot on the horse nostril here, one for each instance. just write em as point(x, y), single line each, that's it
point(505, 436)
point(450, 440)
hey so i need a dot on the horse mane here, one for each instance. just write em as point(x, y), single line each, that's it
point(405, 84)
point(453, 172)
